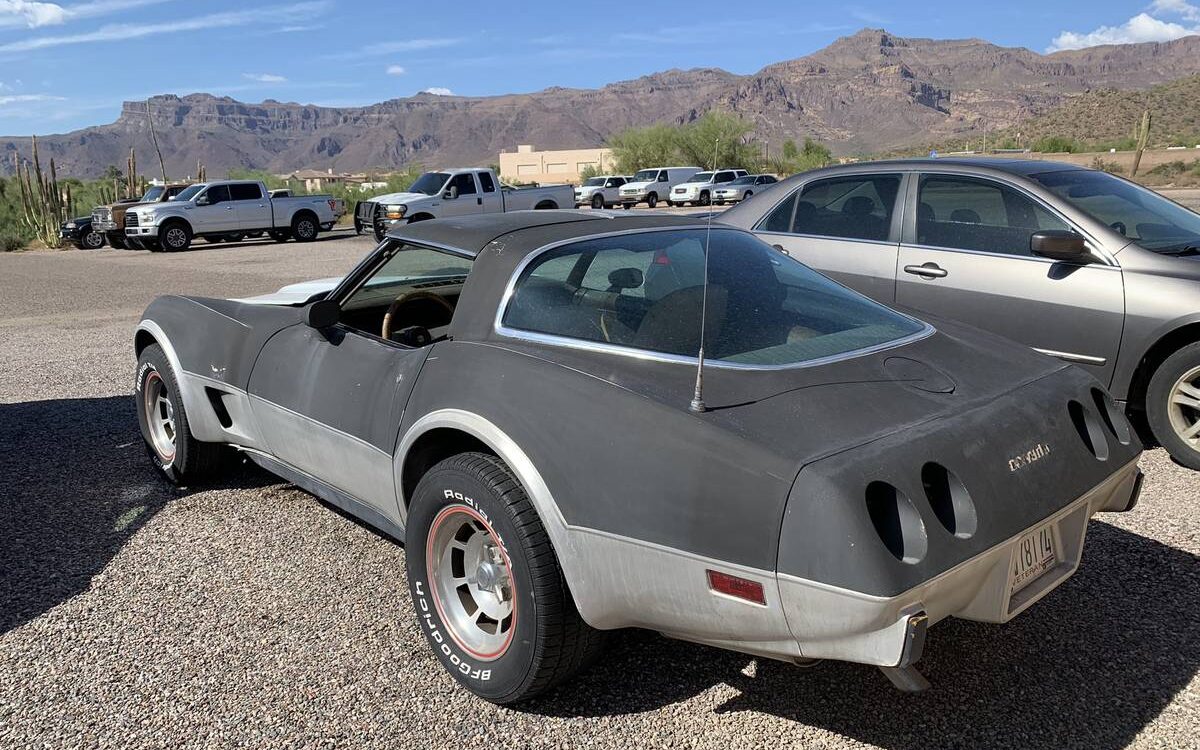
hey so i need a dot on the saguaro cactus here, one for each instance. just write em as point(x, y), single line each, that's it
point(42, 202)
point(1143, 138)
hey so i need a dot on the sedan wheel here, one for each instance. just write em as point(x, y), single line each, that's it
point(1173, 405)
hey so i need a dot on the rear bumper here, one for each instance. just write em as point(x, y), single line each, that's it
point(829, 622)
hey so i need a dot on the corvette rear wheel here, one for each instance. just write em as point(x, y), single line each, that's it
point(164, 423)
point(486, 585)
point(1173, 405)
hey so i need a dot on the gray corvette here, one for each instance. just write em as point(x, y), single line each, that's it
point(518, 400)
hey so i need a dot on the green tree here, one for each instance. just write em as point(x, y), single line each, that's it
point(638, 148)
point(590, 171)
point(717, 140)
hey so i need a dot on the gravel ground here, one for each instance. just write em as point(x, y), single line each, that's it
point(133, 614)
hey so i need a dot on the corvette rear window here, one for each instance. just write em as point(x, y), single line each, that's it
point(645, 291)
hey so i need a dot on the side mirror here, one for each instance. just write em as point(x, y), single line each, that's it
point(625, 278)
point(451, 193)
point(323, 313)
point(203, 201)
point(1060, 245)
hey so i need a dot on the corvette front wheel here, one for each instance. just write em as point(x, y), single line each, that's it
point(164, 422)
point(486, 584)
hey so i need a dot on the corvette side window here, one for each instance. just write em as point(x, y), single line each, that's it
point(646, 291)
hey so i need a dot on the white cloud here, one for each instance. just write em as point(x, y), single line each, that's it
point(121, 32)
point(31, 14)
point(1148, 26)
point(390, 48)
point(438, 90)
point(395, 70)
point(25, 98)
point(264, 77)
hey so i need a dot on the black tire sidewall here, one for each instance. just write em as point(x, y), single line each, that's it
point(1157, 395)
point(162, 240)
point(300, 221)
point(597, 200)
point(152, 360)
point(651, 200)
point(505, 675)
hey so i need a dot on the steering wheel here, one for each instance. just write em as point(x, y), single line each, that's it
point(404, 299)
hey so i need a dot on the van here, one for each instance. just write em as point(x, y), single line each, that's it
point(649, 186)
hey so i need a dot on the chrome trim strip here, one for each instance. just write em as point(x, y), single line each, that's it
point(1082, 359)
point(500, 329)
point(1107, 264)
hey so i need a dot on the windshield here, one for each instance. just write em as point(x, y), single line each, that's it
point(1142, 215)
point(743, 181)
point(646, 175)
point(702, 177)
point(646, 291)
point(191, 192)
point(152, 194)
point(429, 183)
point(595, 182)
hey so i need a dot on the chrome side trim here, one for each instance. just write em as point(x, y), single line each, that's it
point(1082, 359)
point(644, 354)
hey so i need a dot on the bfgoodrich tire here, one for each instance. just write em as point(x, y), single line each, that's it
point(164, 423)
point(486, 585)
point(1173, 405)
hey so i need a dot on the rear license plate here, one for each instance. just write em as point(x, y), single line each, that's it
point(1033, 556)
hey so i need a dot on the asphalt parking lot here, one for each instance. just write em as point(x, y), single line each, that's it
point(133, 614)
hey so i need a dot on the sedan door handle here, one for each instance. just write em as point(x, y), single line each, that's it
point(927, 270)
point(781, 249)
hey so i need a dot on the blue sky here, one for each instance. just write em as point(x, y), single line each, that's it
point(70, 63)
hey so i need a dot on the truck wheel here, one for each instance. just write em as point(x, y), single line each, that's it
point(597, 202)
point(93, 240)
point(279, 235)
point(175, 236)
point(305, 228)
point(705, 199)
point(358, 227)
point(626, 206)
point(1173, 405)
point(164, 423)
point(545, 206)
point(652, 200)
point(486, 584)
point(116, 240)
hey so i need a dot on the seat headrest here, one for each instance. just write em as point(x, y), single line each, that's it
point(859, 205)
point(964, 216)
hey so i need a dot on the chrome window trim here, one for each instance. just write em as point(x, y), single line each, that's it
point(1105, 263)
point(899, 207)
point(366, 270)
point(828, 238)
point(568, 342)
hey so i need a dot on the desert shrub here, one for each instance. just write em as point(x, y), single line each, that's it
point(11, 242)
point(1107, 166)
point(1056, 144)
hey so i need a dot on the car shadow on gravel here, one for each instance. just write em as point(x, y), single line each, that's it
point(1091, 665)
point(75, 485)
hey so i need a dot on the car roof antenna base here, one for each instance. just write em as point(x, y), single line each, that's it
point(907, 679)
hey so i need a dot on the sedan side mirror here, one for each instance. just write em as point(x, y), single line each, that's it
point(1060, 245)
point(451, 193)
point(323, 313)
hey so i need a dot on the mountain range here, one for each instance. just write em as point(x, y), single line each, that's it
point(869, 92)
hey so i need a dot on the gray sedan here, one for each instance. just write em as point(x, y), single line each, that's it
point(1076, 263)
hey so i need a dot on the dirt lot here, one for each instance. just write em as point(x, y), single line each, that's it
point(137, 615)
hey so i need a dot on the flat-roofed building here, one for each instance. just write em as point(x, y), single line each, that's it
point(528, 165)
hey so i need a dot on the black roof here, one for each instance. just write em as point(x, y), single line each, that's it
point(473, 233)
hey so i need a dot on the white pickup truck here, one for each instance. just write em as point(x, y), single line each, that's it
point(456, 192)
point(230, 208)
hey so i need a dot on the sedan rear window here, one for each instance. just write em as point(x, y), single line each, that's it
point(645, 291)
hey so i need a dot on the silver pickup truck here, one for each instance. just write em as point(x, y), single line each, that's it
point(230, 207)
point(456, 192)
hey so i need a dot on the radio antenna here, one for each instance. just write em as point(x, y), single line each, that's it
point(698, 406)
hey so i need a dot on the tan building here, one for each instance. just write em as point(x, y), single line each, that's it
point(527, 165)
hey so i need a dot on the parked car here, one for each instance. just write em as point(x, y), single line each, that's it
point(649, 186)
point(81, 233)
point(699, 188)
point(498, 394)
point(230, 209)
point(110, 219)
point(742, 188)
point(456, 192)
point(1079, 264)
point(600, 192)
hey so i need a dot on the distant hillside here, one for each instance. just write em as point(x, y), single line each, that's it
point(1110, 116)
point(866, 93)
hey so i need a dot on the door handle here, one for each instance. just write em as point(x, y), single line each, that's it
point(479, 201)
point(781, 249)
point(927, 270)
point(229, 208)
